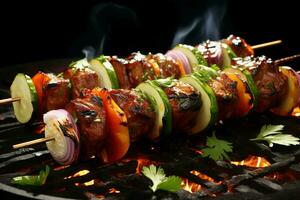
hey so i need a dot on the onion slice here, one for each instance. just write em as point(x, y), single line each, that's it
point(181, 58)
point(212, 52)
point(65, 147)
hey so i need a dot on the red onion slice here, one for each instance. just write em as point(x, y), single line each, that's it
point(60, 125)
point(180, 57)
point(212, 52)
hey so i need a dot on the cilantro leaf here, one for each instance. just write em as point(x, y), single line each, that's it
point(35, 180)
point(217, 149)
point(159, 179)
point(171, 184)
point(273, 135)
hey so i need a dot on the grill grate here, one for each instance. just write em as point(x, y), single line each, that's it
point(176, 155)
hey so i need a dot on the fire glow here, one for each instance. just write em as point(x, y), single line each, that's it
point(296, 112)
point(194, 187)
point(143, 162)
point(252, 161)
point(82, 173)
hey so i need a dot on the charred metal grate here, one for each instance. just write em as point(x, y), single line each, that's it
point(177, 155)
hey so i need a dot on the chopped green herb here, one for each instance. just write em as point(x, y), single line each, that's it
point(35, 180)
point(160, 181)
point(273, 135)
point(165, 83)
point(217, 149)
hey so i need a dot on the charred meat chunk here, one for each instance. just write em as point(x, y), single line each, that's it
point(225, 91)
point(80, 79)
point(91, 117)
point(239, 46)
point(56, 92)
point(140, 115)
point(119, 66)
point(271, 83)
point(168, 67)
point(185, 102)
point(139, 69)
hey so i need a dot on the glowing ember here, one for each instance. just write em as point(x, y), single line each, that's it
point(143, 162)
point(113, 190)
point(61, 167)
point(296, 112)
point(190, 186)
point(197, 150)
point(194, 187)
point(82, 173)
point(253, 161)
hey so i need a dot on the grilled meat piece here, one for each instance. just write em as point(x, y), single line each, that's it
point(226, 93)
point(56, 92)
point(139, 70)
point(91, 117)
point(168, 67)
point(119, 65)
point(271, 83)
point(81, 78)
point(185, 103)
point(140, 115)
point(239, 46)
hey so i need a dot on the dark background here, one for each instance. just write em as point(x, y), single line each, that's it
point(43, 30)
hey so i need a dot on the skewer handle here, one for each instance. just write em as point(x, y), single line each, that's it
point(266, 44)
point(32, 142)
point(286, 59)
point(9, 100)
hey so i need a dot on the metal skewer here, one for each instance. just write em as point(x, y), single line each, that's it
point(286, 59)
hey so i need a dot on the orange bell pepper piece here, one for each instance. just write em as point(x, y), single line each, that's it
point(117, 141)
point(244, 104)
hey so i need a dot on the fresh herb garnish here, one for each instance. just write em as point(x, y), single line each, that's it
point(217, 149)
point(160, 180)
point(35, 180)
point(273, 135)
point(165, 82)
point(205, 73)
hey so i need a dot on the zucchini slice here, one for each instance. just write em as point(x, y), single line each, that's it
point(22, 87)
point(208, 112)
point(162, 107)
point(193, 54)
point(106, 73)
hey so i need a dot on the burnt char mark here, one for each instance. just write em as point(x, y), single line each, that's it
point(88, 113)
point(68, 131)
point(136, 108)
point(97, 100)
point(187, 102)
point(52, 84)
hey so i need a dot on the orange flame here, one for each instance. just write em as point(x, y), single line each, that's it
point(82, 173)
point(194, 187)
point(296, 112)
point(253, 161)
point(113, 190)
point(143, 162)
